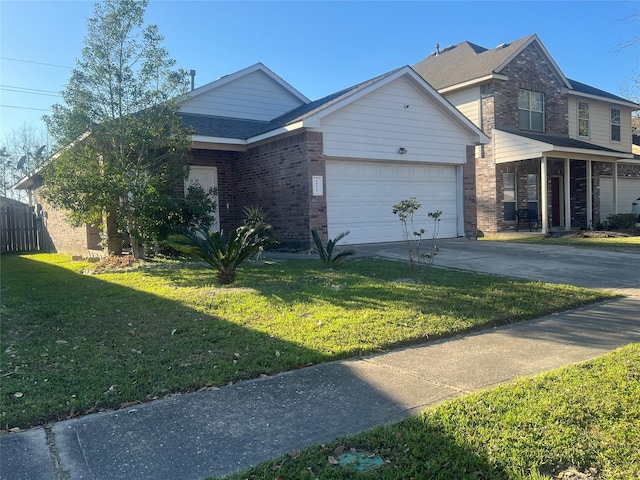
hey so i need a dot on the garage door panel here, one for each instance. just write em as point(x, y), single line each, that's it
point(628, 191)
point(360, 196)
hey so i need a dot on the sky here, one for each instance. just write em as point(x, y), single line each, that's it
point(319, 47)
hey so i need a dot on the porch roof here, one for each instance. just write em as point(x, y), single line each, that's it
point(513, 145)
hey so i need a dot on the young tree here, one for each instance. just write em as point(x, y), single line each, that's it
point(122, 143)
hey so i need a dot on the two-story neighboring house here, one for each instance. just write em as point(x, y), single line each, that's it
point(559, 148)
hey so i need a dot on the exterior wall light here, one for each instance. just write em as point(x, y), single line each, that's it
point(402, 150)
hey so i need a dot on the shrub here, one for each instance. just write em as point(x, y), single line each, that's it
point(620, 221)
point(412, 237)
point(224, 255)
point(326, 253)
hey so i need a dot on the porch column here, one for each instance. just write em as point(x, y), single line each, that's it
point(615, 187)
point(567, 194)
point(544, 207)
point(589, 197)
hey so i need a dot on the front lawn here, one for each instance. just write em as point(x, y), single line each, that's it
point(74, 344)
point(578, 422)
point(601, 240)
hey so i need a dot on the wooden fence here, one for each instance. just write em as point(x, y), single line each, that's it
point(21, 229)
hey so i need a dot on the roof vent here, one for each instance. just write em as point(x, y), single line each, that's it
point(437, 49)
point(502, 45)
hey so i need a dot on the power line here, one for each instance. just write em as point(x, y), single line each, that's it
point(31, 89)
point(36, 63)
point(25, 108)
point(9, 89)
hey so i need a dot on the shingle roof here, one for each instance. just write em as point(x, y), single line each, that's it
point(227, 127)
point(588, 89)
point(464, 62)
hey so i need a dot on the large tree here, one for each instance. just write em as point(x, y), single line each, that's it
point(122, 145)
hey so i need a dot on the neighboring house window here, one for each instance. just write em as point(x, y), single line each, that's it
point(583, 119)
point(532, 191)
point(509, 195)
point(615, 124)
point(531, 110)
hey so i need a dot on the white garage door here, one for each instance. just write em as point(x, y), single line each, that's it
point(628, 191)
point(360, 196)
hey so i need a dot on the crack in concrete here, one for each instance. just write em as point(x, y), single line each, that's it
point(58, 472)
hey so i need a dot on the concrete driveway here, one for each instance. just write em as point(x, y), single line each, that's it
point(583, 267)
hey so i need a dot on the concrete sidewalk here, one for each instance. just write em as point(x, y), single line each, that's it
point(221, 431)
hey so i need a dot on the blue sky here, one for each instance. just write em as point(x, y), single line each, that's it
point(318, 47)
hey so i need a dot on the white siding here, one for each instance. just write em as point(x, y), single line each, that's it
point(628, 191)
point(468, 102)
point(600, 123)
point(360, 196)
point(378, 124)
point(509, 148)
point(254, 96)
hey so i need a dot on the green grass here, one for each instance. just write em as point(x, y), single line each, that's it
point(583, 417)
point(622, 244)
point(74, 344)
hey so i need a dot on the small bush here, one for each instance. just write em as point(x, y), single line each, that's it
point(620, 221)
point(224, 254)
point(326, 253)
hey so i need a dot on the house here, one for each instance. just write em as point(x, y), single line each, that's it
point(559, 147)
point(334, 164)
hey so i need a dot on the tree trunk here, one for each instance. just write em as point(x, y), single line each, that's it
point(114, 237)
point(137, 249)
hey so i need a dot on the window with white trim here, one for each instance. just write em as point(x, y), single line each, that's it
point(509, 196)
point(532, 192)
point(531, 110)
point(583, 119)
point(615, 124)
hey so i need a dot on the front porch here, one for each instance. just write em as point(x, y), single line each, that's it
point(554, 175)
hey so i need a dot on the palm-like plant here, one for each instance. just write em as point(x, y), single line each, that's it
point(223, 255)
point(326, 253)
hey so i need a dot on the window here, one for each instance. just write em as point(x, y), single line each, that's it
point(583, 119)
point(509, 195)
point(532, 191)
point(531, 110)
point(615, 124)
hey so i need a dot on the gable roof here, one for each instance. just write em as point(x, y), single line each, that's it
point(308, 115)
point(225, 79)
point(466, 62)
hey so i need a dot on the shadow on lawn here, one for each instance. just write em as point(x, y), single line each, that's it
point(75, 344)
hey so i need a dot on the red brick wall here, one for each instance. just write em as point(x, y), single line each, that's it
point(277, 177)
point(470, 205)
point(528, 71)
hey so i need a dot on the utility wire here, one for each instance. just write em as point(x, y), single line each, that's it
point(36, 63)
point(26, 108)
point(31, 89)
point(9, 89)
